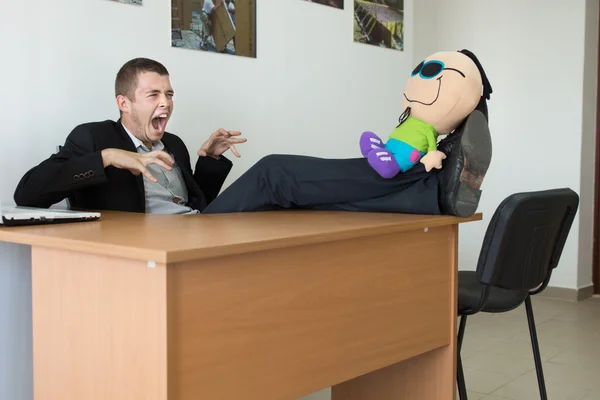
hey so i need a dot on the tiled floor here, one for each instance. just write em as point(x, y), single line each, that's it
point(498, 360)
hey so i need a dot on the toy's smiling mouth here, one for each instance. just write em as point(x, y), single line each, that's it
point(434, 100)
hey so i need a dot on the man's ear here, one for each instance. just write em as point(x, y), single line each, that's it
point(123, 103)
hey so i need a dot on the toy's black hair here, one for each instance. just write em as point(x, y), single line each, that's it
point(487, 87)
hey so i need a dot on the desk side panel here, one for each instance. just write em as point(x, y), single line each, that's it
point(429, 376)
point(99, 327)
point(284, 323)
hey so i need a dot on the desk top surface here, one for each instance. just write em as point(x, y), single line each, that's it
point(174, 238)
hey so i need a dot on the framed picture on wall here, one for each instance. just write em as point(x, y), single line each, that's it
point(218, 26)
point(331, 3)
point(379, 23)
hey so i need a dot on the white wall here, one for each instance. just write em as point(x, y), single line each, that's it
point(310, 86)
point(588, 143)
point(542, 111)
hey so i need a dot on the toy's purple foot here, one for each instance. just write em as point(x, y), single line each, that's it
point(368, 142)
point(384, 163)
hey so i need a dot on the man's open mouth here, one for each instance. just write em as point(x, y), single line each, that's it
point(160, 122)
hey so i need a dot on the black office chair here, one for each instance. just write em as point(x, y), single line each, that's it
point(522, 245)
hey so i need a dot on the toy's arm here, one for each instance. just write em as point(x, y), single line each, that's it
point(433, 158)
point(431, 142)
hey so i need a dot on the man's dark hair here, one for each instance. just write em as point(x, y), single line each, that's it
point(126, 81)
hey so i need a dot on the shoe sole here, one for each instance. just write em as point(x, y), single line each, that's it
point(476, 150)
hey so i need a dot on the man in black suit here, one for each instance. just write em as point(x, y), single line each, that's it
point(132, 164)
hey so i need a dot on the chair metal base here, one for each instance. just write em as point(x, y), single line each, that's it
point(536, 349)
point(460, 377)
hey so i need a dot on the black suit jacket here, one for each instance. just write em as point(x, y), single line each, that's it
point(76, 172)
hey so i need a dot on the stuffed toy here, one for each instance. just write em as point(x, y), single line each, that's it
point(441, 92)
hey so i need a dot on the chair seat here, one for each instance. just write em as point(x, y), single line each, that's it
point(499, 300)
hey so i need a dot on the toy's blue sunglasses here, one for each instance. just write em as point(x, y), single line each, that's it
point(431, 69)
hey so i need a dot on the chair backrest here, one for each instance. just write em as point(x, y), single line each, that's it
point(525, 239)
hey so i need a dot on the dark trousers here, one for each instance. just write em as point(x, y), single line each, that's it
point(302, 182)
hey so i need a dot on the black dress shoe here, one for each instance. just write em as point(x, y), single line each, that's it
point(468, 157)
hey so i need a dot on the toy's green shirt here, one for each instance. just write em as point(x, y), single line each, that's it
point(416, 133)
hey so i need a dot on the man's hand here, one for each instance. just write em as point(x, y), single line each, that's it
point(433, 159)
point(136, 163)
point(219, 142)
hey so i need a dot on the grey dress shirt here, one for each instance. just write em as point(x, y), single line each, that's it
point(169, 195)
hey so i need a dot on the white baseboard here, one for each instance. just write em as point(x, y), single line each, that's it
point(568, 294)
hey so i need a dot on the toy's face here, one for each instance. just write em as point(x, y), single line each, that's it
point(443, 90)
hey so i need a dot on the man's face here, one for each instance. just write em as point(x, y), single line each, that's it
point(151, 108)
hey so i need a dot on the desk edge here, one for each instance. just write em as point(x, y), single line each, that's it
point(174, 256)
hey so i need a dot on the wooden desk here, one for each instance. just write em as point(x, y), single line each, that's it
point(244, 306)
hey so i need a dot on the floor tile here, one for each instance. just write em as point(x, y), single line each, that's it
point(526, 388)
point(508, 365)
point(592, 395)
point(487, 382)
point(321, 395)
point(475, 395)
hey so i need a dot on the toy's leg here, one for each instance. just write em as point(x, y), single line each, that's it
point(291, 181)
point(369, 142)
point(384, 163)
